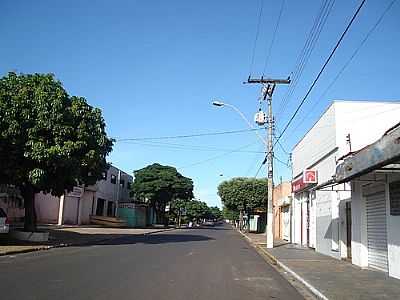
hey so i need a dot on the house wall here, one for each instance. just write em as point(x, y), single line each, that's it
point(280, 191)
point(318, 141)
point(358, 227)
point(365, 121)
point(108, 191)
point(47, 207)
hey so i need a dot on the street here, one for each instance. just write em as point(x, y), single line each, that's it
point(203, 263)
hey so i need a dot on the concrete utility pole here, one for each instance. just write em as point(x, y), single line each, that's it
point(267, 91)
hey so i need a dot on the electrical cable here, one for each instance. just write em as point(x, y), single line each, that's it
point(349, 60)
point(306, 52)
point(273, 37)
point(217, 156)
point(186, 136)
point(256, 38)
point(322, 69)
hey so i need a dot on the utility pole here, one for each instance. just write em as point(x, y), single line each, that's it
point(267, 91)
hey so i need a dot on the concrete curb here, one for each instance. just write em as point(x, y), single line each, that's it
point(63, 245)
point(312, 289)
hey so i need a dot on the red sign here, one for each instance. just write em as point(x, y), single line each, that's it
point(298, 185)
point(310, 176)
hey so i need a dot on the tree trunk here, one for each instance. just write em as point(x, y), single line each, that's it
point(30, 212)
point(248, 222)
point(241, 220)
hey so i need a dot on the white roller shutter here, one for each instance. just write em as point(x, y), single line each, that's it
point(376, 226)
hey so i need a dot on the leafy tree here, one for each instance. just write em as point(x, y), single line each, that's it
point(214, 213)
point(197, 210)
point(49, 141)
point(230, 214)
point(243, 194)
point(159, 185)
point(178, 209)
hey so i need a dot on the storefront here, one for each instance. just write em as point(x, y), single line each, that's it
point(374, 173)
point(304, 209)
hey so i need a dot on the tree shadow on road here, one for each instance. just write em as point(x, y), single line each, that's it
point(63, 238)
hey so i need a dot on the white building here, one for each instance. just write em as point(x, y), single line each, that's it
point(77, 206)
point(321, 210)
point(374, 175)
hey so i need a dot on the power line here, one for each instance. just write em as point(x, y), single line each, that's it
point(186, 136)
point(306, 51)
point(273, 37)
point(256, 38)
point(350, 59)
point(217, 156)
point(281, 161)
point(186, 147)
point(322, 69)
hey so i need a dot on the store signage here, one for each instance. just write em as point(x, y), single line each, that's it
point(76, 192)
point(298, 185)
point(310, 176)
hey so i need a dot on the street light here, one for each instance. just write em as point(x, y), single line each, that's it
point(220, 104)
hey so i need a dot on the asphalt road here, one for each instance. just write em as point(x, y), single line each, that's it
point(213, 263)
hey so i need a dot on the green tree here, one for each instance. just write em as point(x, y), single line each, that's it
point(49, 141)
point(197, 210)
point(243, 194)
point(215, 213)
point(160, 185)
point(231, 215)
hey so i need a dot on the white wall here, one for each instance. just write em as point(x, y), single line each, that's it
point(47, 207)
point(109, 191)
point(359, 250)
point(296, 219)
point(318, 141)
point(365, 121)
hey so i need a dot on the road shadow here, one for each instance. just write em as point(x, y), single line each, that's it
point(59, 238)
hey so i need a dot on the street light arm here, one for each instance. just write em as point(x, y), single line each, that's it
point(246, 120)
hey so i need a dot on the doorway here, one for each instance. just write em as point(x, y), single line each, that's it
point(100, 207)
point(348, 229)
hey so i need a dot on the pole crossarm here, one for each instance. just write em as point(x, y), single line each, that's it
point(267, 80)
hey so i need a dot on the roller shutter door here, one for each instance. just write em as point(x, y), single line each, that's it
point(376, 227)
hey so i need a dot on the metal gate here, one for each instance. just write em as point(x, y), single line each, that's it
point(376, 226)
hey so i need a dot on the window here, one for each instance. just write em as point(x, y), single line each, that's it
point(104, 175)
point(113, 179)
point(122, 182)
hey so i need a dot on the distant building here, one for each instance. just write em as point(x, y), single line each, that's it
point(282, 210)
point(101, 199)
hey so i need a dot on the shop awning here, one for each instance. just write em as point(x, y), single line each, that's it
point(381, 155)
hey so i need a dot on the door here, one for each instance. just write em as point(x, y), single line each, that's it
point(100, 207)
point(312, 218)
point(376, 226)
point(286, 223)
point(110, 211)
point(348, 229)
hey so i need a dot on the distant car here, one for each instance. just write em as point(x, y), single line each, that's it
point(209, 223)
point(4, 225)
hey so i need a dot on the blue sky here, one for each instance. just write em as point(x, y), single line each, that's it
point(154, 67)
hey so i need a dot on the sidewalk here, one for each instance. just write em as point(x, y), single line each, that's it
point(63, 236)
point(327, 277)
